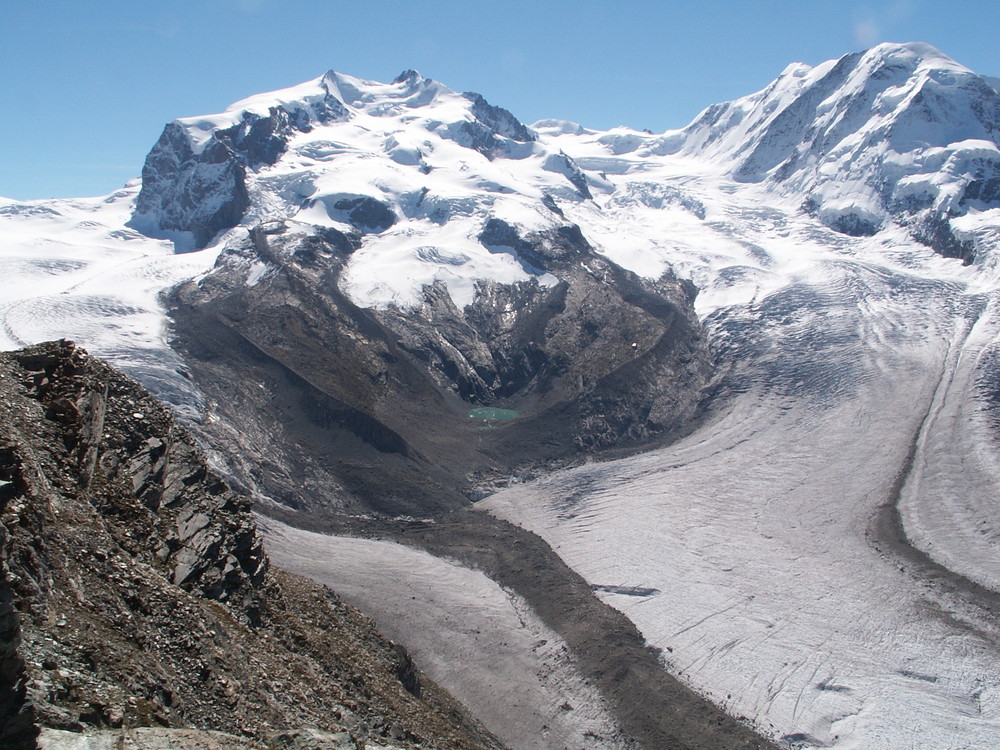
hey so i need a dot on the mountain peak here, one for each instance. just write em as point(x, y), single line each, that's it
point(795, 70)
point(204, 173)
point(863, 139)
point(408, 76)
point(919, 51)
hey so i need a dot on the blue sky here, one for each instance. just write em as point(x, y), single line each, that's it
point(88, 86)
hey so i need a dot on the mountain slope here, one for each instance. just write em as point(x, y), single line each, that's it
point(385, 280)
point(321, 389)
point(142, 597)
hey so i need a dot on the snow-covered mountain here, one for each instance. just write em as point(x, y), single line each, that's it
point(411, 259)
point(395, 297)
point(896, 137)
point(300, 151)
point(897, 133)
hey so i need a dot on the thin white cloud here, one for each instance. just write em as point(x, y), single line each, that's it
point(866, 33)
point(874, 23)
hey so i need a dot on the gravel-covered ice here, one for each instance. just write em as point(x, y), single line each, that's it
point(480, 642)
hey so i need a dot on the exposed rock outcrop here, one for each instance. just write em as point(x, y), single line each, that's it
point(490, 129)
point(198, 193)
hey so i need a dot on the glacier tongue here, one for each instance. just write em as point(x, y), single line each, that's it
point(777, 594)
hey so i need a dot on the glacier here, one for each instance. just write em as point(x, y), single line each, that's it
point(818, 553)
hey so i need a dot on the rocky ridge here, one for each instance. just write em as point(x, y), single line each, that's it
point(137, 605)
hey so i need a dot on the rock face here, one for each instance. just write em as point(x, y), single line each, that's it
point(199, 187)
point(135, 592)
point(489, 127)
point(312, 391)
point(183, 191)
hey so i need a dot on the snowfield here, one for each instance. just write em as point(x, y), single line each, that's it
point(821, 555)
point(72, 269)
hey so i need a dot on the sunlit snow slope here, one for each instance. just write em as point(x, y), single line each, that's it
point(821, 554)
point(72, 269)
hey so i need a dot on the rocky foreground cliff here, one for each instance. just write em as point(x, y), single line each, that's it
point(137, 605)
